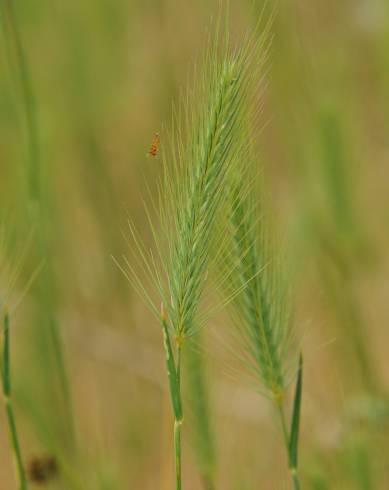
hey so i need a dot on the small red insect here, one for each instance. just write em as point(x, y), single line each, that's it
point(154, 145)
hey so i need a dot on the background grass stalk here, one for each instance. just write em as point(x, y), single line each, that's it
point(13, 435)
point(37, 205)
point(199, 418)
point(28, 100)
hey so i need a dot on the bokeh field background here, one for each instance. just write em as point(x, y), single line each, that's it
point(104, 76)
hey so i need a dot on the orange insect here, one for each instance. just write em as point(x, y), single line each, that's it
point(154, 146)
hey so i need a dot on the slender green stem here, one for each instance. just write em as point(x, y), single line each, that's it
point(22, 482)
point(178, 423)
point(178, 365)
point(173, 379)
point(295, 479)
point(284, 428)
point(177, 452)
point(173, 367)
point(6, 378)
point(285, 433)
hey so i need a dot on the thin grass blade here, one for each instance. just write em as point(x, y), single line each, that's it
point(295, 423)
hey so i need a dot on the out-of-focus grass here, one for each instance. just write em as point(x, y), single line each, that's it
point(105, 75)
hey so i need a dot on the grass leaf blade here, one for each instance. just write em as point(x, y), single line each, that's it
point(295, 423)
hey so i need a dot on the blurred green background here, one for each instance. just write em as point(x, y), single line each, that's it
point(104, 76)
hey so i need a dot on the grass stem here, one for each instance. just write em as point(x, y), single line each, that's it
point(286, 438)
point(178, 423)
point(295, 479)
point(6, 378)
point(177, 452)
point(173, 367)
point(284, 428)
point(36, 202)
point(291, 437)
point(28, 102)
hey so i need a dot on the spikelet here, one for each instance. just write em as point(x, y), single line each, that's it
point(203, 147)
point(262, 308)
